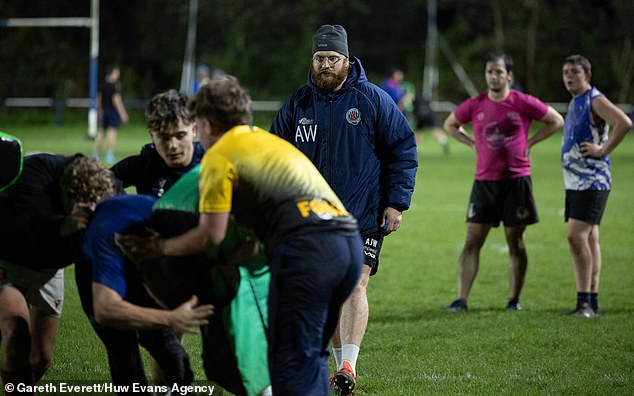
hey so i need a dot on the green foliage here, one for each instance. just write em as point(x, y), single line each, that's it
point(266, 43)
point(412, 347)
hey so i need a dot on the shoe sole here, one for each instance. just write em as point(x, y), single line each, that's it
point(343, 383)
point(581, 313)
point(456, 309)
point(584, 314)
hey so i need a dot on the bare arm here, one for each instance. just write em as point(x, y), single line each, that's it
point(112, 310)
point(552, 121)
point(619, 122)
point(118, 104)
point(455, 129)
point(210, 231)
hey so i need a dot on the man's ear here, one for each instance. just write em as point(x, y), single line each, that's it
point(211, 128)
point(202, 126)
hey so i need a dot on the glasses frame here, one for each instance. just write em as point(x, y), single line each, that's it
point(332, 60)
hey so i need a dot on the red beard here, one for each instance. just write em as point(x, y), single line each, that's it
point(329, 79)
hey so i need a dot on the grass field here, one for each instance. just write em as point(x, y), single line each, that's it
point(413, 347)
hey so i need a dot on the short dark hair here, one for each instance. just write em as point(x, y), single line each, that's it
point(493, 56)
point(109, 69)
point(167, 109)
point(579, 60)
point(223, 102)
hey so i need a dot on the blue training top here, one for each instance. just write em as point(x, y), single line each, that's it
point(114, 215)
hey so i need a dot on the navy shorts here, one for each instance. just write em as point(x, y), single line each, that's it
point(426, 121)
point(587, 206)
point(311, 277)
point(110, 118)
point(510, 201)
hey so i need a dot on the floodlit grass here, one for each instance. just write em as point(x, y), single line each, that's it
point(412, 347)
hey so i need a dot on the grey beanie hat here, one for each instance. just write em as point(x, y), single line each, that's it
point(331, 38)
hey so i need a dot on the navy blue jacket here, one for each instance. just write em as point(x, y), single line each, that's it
point(360, 142)
point(148, 172)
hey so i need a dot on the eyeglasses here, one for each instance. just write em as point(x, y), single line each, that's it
point(320, 60)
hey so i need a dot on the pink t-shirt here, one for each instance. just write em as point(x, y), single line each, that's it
point(501, 131)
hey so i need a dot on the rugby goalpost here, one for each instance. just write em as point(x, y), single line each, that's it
point(430, 74)
point(92, 23)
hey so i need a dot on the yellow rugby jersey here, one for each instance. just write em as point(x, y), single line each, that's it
point(268, 185)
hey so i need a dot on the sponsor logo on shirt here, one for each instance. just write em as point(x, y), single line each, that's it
point(319, 207)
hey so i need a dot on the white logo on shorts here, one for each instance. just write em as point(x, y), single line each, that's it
point(471, 213)
point(522, 213)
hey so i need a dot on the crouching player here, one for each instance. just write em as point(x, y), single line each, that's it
point(272, 188)
point(234, 345)
point(233, 277)
point(171, 153)
point(121, 304)
point(43, 216)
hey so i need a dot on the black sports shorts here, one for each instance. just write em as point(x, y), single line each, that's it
point(371, 249)
point(586, 205)
point(510, 201)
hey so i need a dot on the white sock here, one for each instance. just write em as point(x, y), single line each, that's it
point(268, 391)
point(350, 352)
point(337, 354)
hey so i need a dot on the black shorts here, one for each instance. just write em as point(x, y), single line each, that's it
point(587, 205)
point(371, 249)
point(510, 201)
point(426, 121)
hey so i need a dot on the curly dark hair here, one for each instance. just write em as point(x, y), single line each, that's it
point(167, 109)
point(85, 180)
point(224, 102)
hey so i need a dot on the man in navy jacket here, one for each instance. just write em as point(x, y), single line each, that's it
point(364, 147)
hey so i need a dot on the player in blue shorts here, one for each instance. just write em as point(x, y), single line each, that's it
point(112, 112)
point(121, 302)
